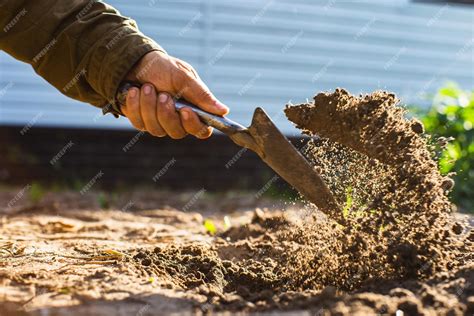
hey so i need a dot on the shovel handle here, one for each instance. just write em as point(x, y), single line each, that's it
point(221, 123)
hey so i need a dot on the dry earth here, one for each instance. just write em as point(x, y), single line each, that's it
point(61, 257)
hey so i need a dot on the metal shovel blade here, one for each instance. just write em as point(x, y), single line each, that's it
point(290, 164)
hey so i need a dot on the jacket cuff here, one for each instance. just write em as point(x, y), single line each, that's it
point(121, 51)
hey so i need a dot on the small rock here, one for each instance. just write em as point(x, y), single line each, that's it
point(447, 184)
point(379, 149)
point(401, 292)
point(139, 255)
point(457, 228)
point(259, 213)
point(329, 292)
point(417, 126)
point(410, 306)
point(470, 305)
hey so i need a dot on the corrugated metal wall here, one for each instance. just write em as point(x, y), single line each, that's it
point(266, 53)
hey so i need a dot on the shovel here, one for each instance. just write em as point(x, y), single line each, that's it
point(264, 138)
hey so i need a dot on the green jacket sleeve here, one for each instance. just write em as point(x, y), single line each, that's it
point(82, 47)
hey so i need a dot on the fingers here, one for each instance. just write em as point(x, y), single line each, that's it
point(193, 125)
point(193, 89)
point(199, 94)
point(132, 109)
point(168, 117)
point(148, 111)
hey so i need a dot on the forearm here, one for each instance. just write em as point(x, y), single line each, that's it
point(83, 48)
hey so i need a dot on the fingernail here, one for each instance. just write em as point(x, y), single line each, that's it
point(184, 114)
point(163, 97)
point(147, 90)
point(133, 93)
point(221, 106)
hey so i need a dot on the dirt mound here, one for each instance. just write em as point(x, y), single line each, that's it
point(407, 199)
point(399, 226)
point(284, 267)
point(375, 126)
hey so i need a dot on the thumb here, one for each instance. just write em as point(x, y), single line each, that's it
point(196, 92)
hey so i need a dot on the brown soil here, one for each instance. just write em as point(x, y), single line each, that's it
point(86, 261)
point(380, 166)
point(402, 248)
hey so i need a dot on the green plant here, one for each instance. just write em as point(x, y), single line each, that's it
point(209, 226)
point(348, 204)
point(36, 193)
point(103, 200)
point(452, 116)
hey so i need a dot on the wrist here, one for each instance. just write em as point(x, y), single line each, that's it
point(145, 67)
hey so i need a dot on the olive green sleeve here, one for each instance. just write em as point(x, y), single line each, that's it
point(84, 48)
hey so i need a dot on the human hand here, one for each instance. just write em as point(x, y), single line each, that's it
point(154, 112)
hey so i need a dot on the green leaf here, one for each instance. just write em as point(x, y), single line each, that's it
point(209, 226)
point(452, 115)
point(348, 204)
point(36, 192)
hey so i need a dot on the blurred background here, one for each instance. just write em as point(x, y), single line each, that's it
point(250, 53)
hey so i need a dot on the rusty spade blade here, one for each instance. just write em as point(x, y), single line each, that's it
point(264, 138)
point(278, 153)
